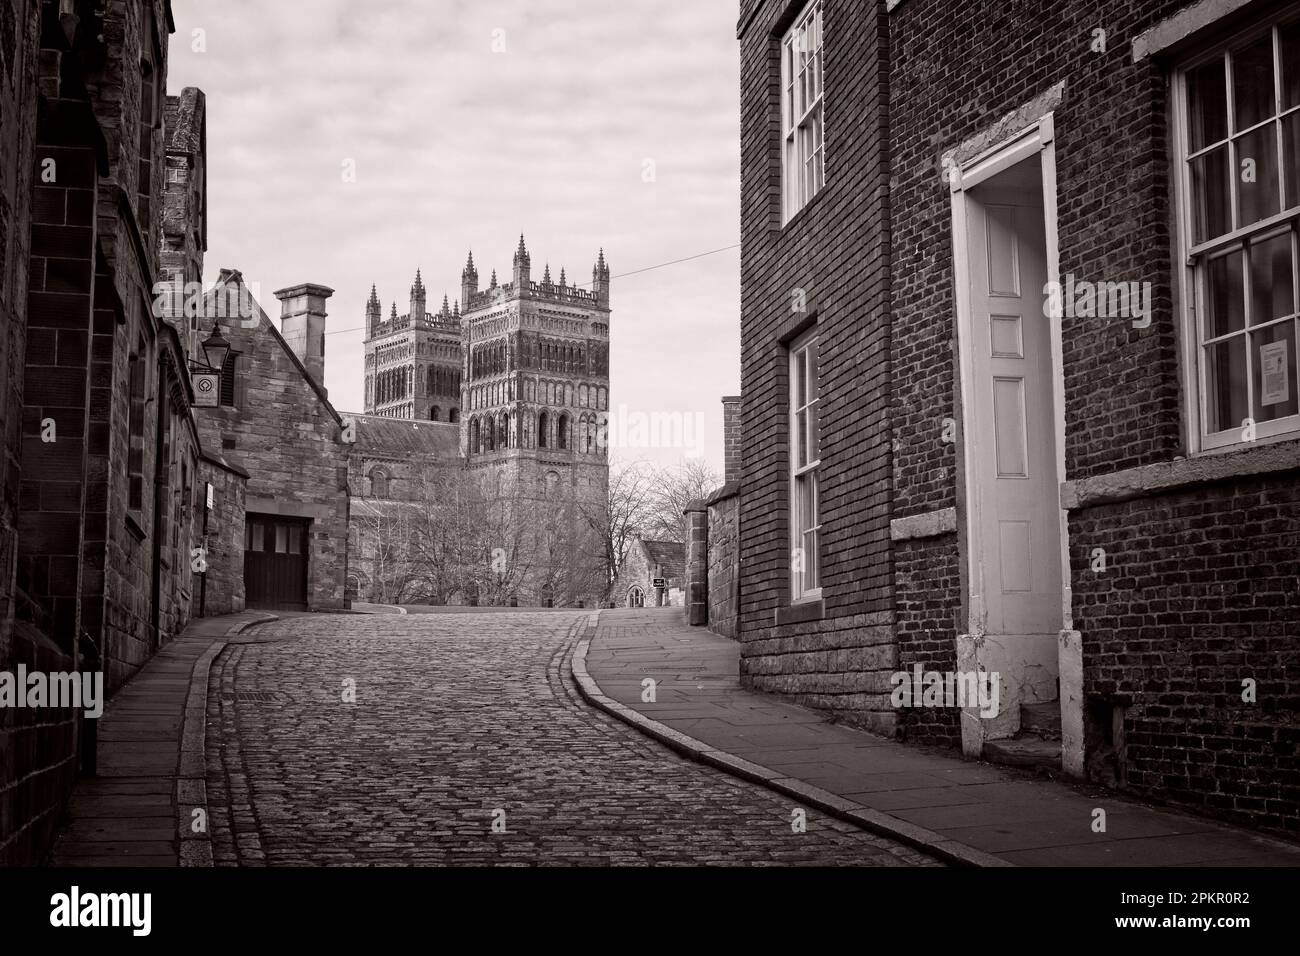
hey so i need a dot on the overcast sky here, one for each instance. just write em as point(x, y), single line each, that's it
point(457, 146)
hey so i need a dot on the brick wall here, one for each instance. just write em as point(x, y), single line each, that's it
point(928, 586)
point(834, 251)
point(732, 435)
point(1192, 604)
point(1200, 592)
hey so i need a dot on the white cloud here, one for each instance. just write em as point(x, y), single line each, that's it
point(458, 147)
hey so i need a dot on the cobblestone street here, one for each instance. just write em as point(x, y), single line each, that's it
point(457, 716)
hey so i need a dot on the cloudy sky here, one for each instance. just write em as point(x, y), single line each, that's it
point(580, 123)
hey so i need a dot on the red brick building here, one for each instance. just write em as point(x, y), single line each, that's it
point(1019, 366)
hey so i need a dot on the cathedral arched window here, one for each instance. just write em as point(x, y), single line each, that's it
point(543, 426)
point(503, 432)
point(582, 395)
point(433, 413)
point(378, 483)
point(561, 432)
point(474, 437)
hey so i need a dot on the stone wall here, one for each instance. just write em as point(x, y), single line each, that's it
point(36, 759)
point(285, 434)
point(109, 449)
point(723, 509)
point(224, 589)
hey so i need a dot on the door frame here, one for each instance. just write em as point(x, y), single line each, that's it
point(1037, 139)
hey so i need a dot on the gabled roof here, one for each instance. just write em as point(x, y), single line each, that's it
point(670, 555)
point(233, 277)
point(404, 437)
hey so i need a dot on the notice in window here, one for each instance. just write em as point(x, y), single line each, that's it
point(1272, 363)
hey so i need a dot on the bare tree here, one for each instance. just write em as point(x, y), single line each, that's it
point(627, 511)
point(674, 489)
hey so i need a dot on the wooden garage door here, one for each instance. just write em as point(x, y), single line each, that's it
point(275, 562)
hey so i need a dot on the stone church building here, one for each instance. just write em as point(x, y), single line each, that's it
point(519, 373)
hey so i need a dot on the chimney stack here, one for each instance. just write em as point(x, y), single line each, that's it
point(302, 323)
point(731, 438)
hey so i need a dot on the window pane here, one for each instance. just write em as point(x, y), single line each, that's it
point(814, 432)
point(1252, 82)
point(257, 537)
point(1271, 283)
point(281, 539)
point(1291, 164)
point(1274, 385)
point(801, 438)
point(816, 160)
point(295, 540)
point(1207, 92)
point(800, 378)
point(1257, 180)
point(1225, 384)
point(1225, 305)
point(1210, 194)
point(1291, 65)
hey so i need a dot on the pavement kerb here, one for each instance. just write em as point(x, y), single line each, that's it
point(191, 775)
point(928, 841)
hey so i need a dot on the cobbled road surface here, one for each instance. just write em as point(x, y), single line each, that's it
point(456, 717)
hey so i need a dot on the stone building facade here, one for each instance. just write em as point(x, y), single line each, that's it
point(1053, 361)
point(101, 479)
point(522, 369)
point(392, 481)
point(645, 563)
point(535, 406)
point(413, 361)
point(275, 423)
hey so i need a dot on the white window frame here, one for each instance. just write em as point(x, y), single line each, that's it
point(1191, 274)
point(803, 161)
point(805, 575)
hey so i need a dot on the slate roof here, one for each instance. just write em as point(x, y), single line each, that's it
point(404, 437)
point(671, 555)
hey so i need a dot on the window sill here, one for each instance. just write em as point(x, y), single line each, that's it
point(1148, 480)
point(783, 229)
point(798, 613)
point(132, 521)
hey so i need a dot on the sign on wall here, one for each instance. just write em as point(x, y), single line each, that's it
point(207, 389)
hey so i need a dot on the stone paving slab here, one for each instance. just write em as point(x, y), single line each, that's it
point(127, 814)
point(992, 815)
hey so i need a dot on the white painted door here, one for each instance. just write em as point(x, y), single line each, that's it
point(1014, 445)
